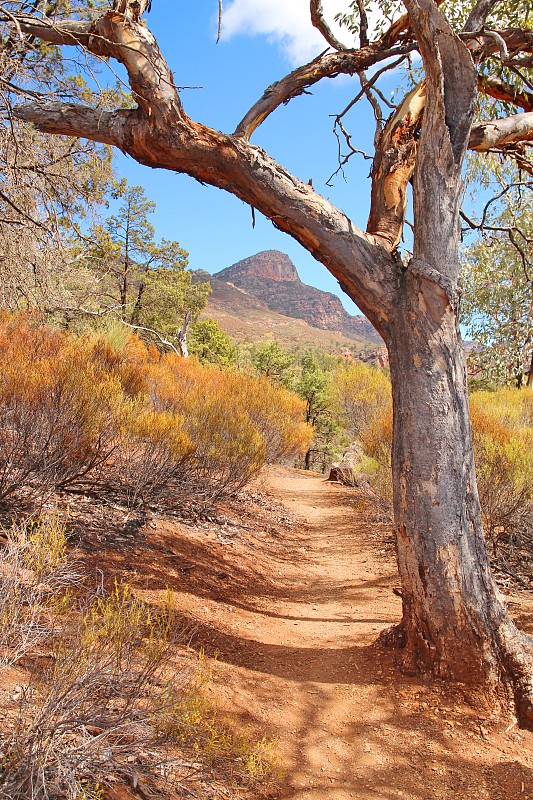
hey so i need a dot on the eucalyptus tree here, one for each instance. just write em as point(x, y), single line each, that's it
point(145, 283)
point(454, 624)
point(47, 186)
point(498, 295)
point(314, 387)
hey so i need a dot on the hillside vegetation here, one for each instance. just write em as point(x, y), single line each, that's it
point(262, 297)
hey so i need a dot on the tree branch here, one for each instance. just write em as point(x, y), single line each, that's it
point(361, 265)
point(393, 167)
point(500, 90)
point(116, 36)
point(479, 14)
point(483, 45)
point(108, 127)
point(325, 66)
point(162, 339)
point(318, 21)
point(363, 23)
point(500, 132)
point(451, 84)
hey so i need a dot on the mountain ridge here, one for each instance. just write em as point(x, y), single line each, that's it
point(262, 297)
point(271, 277)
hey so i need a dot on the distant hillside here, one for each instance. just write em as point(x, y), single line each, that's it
point(262, 298)
point(272, 278)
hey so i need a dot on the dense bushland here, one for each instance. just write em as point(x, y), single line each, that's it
point(362, 399)
point(109, 414)
point(503, 444)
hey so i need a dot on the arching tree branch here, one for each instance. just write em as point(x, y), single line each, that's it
point(501, 132)
point(116, 36)
point(500, 90)
point(327, 66)
point(228, 161)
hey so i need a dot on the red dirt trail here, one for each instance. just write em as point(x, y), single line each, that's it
point(289, 587)
point(292, 603)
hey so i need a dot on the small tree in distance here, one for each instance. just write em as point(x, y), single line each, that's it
point(454, 624)
point(498, 298)
point(144, 283)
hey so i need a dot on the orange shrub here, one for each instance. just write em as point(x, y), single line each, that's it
point(57, 414)
point(130, 364)
point(236, 422)
point(116, 416)
point(153, 454)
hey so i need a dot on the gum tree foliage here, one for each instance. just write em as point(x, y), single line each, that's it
point(275, 362)
point(210, 344)
point(498, 296)
point(48, 186)
point(454, 624)
point(314, 386)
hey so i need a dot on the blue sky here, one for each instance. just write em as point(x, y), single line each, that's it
point(256, 49)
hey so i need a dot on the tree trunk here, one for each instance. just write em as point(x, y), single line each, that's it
point(181, 336)
point(454, 624)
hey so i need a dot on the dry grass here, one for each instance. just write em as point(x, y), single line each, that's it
point(116, 694)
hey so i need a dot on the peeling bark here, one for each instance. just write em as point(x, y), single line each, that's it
point(393, 167)
point(454, 624)
point(499, 90)
point(488, 135)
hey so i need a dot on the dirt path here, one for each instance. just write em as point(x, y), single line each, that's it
point(294, 612)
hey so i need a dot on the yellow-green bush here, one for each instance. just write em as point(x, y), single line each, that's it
point(117, 681)
point(362, 395)
point(376, 441)
point(503, 448)
point(34, 576)
point(187, 716)
point(362, 398)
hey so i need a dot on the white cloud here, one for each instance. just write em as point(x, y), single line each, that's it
point(286, 22)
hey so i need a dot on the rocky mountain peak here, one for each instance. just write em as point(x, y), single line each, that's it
point(270, 265)
point(271, 279)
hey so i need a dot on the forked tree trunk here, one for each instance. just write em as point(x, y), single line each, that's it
point(454, 624)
